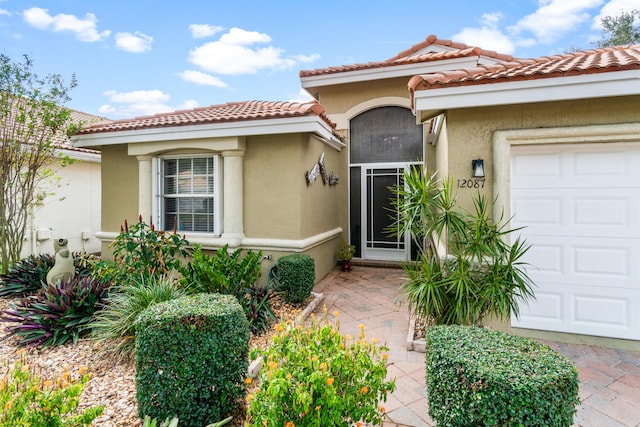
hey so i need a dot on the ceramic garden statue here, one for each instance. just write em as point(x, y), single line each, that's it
point(63, 268)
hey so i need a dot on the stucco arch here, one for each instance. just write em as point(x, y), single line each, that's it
point(342, 120)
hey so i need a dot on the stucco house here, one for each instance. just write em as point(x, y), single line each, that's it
point(439, 103)
point(68, 204)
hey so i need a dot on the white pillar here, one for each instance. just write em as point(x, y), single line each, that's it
point(233, 227)
point(145, 187)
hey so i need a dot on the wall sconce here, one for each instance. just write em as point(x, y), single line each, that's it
point(477, 166)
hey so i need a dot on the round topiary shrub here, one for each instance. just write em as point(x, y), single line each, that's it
point(191, 359)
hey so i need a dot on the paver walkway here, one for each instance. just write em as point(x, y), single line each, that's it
point(609, 379)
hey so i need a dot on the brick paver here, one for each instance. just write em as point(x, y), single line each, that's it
point(609, 378)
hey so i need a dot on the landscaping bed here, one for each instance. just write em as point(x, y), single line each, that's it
point(112, 384)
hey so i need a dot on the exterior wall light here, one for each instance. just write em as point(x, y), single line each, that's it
point(477, 166)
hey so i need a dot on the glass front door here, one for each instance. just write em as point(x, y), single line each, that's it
point(378, 214)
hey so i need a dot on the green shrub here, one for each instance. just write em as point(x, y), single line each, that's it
point(28, 275)
point(476, 274)
point(314, 376)
point(141, 249)
point(476, 376)
point(191, 359)
point(57, 313)
point(27, 400)
point(232, 274)
point(173, 422)
point(224, 272)
point(295, 275)
point(114, 326)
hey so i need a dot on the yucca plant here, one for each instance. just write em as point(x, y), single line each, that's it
point(115, 323)
point(478, 272)
point(57, 313)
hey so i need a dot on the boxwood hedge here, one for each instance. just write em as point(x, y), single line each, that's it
point(191, 359)
point(295, 276)
point(477, 376)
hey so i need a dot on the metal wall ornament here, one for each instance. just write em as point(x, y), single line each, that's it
point(319, 169)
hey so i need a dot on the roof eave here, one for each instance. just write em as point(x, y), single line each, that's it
point(386, 72)
point(429, 102)
point(303, 124)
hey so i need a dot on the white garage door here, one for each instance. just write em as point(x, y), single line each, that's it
point(580, 205)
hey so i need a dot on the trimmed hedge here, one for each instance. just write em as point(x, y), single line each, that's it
point(191, 359)
point(296, 275)
point(477, 376)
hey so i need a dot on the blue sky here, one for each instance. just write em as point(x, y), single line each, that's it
point(139, 57)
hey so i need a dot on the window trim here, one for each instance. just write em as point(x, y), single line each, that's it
point(158, 191)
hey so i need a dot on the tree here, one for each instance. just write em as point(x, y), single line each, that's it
point(620, 30)
point(32, 122)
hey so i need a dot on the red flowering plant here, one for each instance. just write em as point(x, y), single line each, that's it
point(315, 376)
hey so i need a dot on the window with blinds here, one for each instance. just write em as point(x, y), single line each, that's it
point(188, 194)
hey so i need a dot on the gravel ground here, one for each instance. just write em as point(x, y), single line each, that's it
point(112, 384)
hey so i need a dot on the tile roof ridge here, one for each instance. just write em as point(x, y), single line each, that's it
point(432, 39)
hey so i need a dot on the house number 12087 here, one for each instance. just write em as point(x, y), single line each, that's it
point(471, 183)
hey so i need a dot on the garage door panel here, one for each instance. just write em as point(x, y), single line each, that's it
point(580, 209)
point(589, 262)
point(606, 213)
point(563, 308)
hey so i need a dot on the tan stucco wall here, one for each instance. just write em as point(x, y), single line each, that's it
point(341, 98)
point(119, 189)
point(470, 131)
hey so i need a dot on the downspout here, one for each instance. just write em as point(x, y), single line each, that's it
point(32, 225)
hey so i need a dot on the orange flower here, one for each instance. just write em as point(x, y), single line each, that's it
point(289, 424)
point(279, 327)
point(248, 381)
point(364, 389)
point(358, 424)
point(265, 422)
point(382, 409)
point(288, 376)
point(249, 397)
point(385, 356)
point(314, 358)
point(83, 370)
point(330, 380)
point(336, 313)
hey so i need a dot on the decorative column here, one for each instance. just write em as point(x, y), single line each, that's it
point(233, 226)
point(145, 187)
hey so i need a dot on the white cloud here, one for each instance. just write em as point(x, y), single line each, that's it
point(135, 103)
point(613, 8)
point(307, 58)
point(238, 36)
point(85, 29)
point(199, 31)
point(5, 12)
point(302, 96)
point(488, 36)
point(134, 43)
point(554, 18)
point(234, 53)
point(201, 78)
point(189, 104)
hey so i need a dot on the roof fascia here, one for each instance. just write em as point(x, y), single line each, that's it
point(78, 155)
point(428, 102)
point(388, 72)
point(305, 124)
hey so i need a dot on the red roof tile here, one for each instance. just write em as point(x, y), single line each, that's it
point(63, 142)
point(601, 60)
point(409, 56)
point(222, 113)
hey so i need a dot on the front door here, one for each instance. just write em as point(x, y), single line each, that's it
point(383, 142)
point(378, 214)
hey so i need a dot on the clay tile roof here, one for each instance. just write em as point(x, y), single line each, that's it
point(85, 119)
point(618, 58)
point(411, 56)
point(222, 113)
